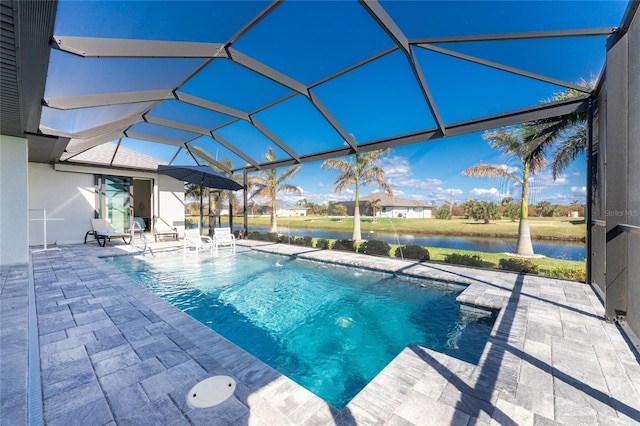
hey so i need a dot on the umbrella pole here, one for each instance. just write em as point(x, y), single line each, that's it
point(201, 209)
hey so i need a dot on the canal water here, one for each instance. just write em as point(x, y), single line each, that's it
point(556, 249)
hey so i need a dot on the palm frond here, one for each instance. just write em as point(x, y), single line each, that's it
point(490, 171)
point(289, 188)
point(288, 173)
point(375, 176)
point(342, 183)
point(337, 164)
point(573, 146)
point(270, 155)
point(508, 140)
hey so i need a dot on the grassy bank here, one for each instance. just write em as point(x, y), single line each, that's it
point(559, 268)
point(542, 228)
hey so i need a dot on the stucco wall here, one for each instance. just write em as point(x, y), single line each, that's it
point(170, 196)
point(14, 226)
point(407, 212)
point(69, 199)
point(67, 192)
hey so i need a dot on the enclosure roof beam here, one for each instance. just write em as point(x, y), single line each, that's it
point(94, 47)
point(506, 68)
point(108, 99)
point(212, 106)
point(222, 141)
point(158, 139)
point(587, 32)
point(380, 15)
point(176, 125)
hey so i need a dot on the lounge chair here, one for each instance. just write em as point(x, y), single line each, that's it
point(223, 237)
point(193, 240)
point(162, 229)
point(102, 231)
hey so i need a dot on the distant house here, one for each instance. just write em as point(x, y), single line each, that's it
point(283, 209)
point(389, 206)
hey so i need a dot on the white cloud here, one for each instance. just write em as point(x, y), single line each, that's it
point(544, 179)
point(440, 195)
point(579, 190)
point(398, 174)
point(509, 169)
point(396, 167)
point(493, 194)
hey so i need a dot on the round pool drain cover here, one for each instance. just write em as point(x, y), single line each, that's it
point(211, 392)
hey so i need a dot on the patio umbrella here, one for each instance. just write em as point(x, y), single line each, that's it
point(200, 175)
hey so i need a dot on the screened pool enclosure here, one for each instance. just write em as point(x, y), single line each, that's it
point(201, 82)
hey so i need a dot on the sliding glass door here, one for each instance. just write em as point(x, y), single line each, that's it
point(114, 200)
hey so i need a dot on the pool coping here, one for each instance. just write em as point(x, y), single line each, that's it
point(543, 331)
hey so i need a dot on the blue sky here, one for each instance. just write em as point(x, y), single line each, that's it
point(311, 40)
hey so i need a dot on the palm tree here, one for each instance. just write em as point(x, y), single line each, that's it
point(268, 183)
point(226, 163)
point(486, 211)
point(569, 132)
point(195, 192)
point(359, 169)
point(374, 204)
point(469, 208)
point(527, 144)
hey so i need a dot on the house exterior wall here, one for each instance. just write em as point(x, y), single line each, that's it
point(70, 202)
point(291, 212)
point(67, 192)
point(406, 212)
point(170, 201)
point(14, 220)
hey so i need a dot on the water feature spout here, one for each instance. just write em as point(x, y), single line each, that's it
point(397, 238)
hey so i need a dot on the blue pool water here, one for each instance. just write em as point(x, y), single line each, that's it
point(329, 328)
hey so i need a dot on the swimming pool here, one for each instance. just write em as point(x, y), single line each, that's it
point(329, 328)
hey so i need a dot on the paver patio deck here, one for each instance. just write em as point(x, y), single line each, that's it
point(113, 353)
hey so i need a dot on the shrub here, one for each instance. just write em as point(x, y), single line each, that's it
point(567, 273)
point(443, 214)
point(374, 248)
point(344, 245)
point(339, 210)
point(303, 241)
point(323, 244)
point(271, 237)
point(518, 265)
point(413, 251)
point(463, 259)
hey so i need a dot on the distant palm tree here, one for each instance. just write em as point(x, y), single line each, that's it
point(374, 204)
point(268, 183)
point(525, 143)
point(469, 207)
point(226, 164)
point(486, 211)
point(358, 170)
point(506, 201)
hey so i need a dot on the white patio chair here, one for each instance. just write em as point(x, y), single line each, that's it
point(223, 237)
point(193, 240)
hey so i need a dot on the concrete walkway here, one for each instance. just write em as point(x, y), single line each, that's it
point(113, 353)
